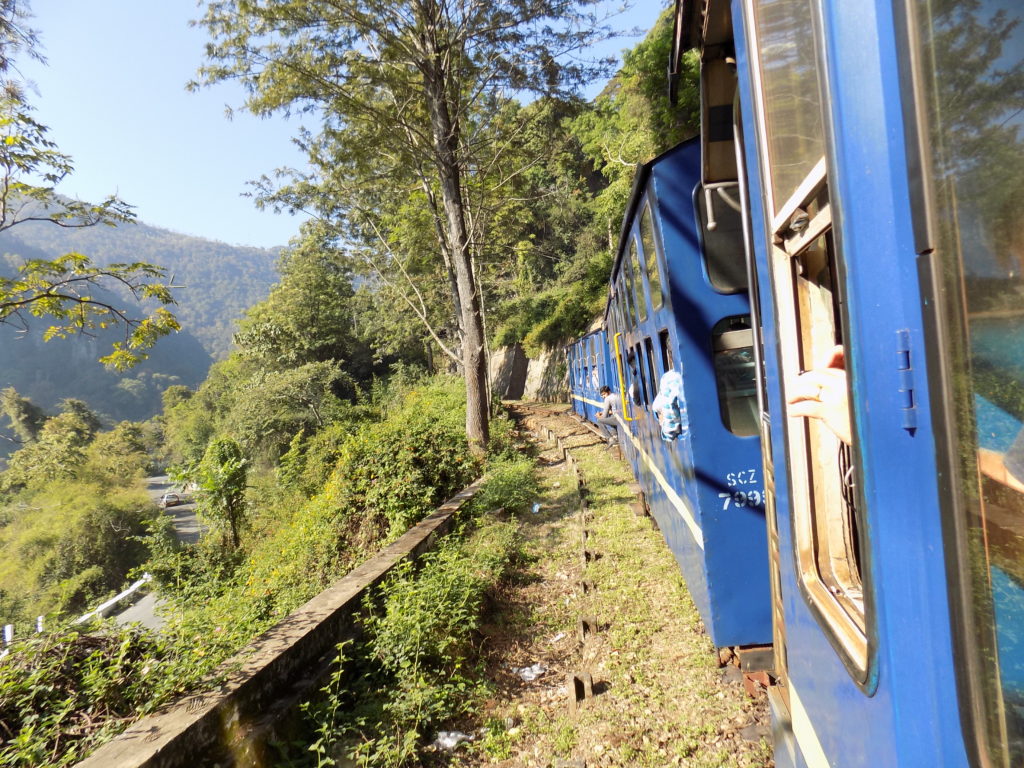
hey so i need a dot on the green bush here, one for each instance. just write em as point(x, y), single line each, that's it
point(70, 547)
point(388, 475)
point(417, 666)
point(62, 694)
point(510, 484)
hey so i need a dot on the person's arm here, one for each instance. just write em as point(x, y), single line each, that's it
point(822, 393)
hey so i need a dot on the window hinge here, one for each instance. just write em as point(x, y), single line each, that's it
point(905, 371)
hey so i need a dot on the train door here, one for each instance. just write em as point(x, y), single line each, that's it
point(764, 421)
point(724, 214)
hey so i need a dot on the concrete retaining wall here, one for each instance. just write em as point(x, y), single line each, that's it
point(229, 726)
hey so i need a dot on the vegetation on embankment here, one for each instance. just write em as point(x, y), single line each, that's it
point(418, 663)
point(72, 511)
point(61, 694)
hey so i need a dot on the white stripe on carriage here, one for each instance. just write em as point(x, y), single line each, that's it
point(677, 501)
point(588, 400)
point(803, 729)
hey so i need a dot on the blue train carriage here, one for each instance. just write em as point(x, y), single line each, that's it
point(678, 304)
point(882, 171)
point(589, 367)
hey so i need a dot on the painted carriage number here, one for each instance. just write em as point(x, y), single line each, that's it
point(741, 499)
point(743, 477)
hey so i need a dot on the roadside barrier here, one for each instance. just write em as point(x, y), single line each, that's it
point(105, 609)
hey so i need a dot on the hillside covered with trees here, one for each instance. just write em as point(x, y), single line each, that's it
point(213, 283)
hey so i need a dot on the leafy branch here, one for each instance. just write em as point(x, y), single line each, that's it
point(62, 289)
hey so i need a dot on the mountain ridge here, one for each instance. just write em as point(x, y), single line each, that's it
point(215, 283)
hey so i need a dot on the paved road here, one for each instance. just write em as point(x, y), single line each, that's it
point(188, 529)
point(183, 515)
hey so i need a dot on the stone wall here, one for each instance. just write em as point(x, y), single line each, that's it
point(514, 376)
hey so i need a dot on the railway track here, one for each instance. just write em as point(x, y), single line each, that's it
point(631, 677)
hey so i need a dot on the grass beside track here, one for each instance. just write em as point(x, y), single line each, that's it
point(661, 699)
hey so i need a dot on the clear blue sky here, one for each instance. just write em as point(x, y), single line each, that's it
point(113, 94)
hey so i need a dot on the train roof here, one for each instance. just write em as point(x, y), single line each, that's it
point(640, 178)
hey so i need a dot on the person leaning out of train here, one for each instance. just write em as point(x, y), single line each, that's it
point(606, 416)
point(669, 406)
point(821, 393)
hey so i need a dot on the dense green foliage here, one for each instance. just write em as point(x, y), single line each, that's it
point(580, 214)
point(419, 663)
point(65, 692)
point(72, 511)
point(71, 521)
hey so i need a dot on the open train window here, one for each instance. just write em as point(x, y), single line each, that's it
point(732, 343)
point(721, 229)
point(651, 257)
point(636, 367)
point(652, 372)
point(666, 350)
point(806, 271)
point(638, 281)
point(970, 232)
point(827, 518)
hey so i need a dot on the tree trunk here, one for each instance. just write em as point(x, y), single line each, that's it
point(445, 131)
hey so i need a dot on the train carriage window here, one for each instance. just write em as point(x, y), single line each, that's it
point(626, 292)
point(732, 342)
point(652, 372)
point(620, 324)
point(636, 369)
point(666, 350)
point(651, 257)
point(722, 242)
point(790, 93)
point(969, 58)
point(638, 282)
point(806, 269)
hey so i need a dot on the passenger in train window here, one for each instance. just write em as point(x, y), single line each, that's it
point(822, 393)
point(670, 407)
point(606, 417)
point(634, 389)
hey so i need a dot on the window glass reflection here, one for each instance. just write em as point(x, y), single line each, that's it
point(789, 84)
point(974, 71)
